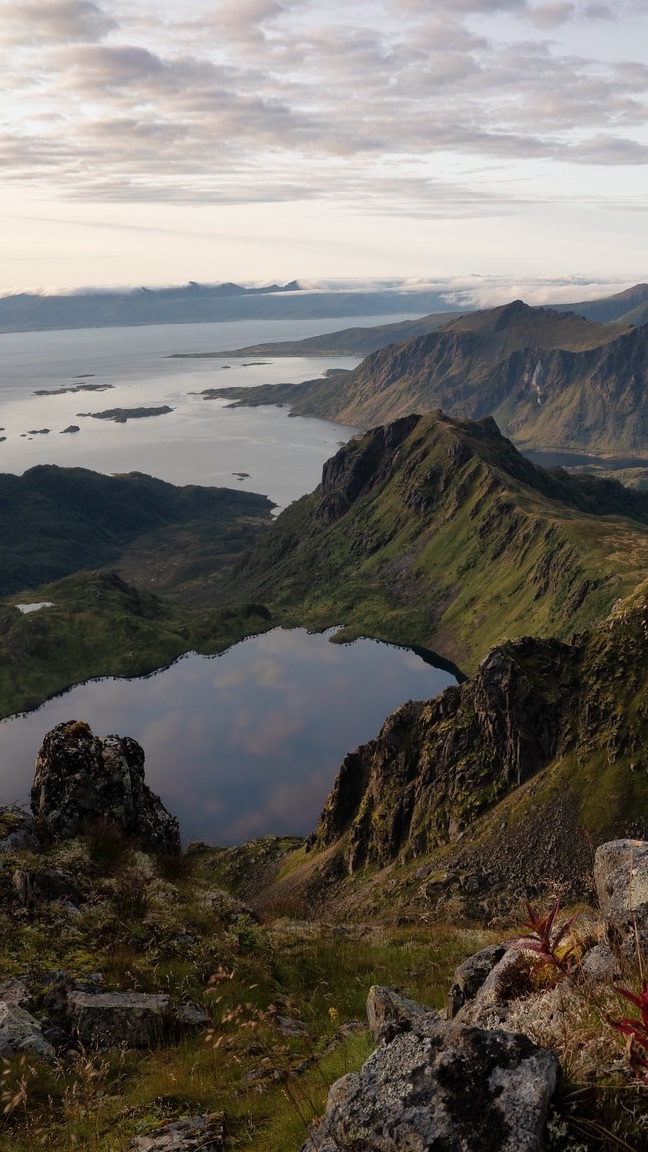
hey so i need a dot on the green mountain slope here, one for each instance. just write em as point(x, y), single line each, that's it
point(54, 521)
point(438, 532)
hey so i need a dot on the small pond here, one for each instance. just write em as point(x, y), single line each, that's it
point(241, 744)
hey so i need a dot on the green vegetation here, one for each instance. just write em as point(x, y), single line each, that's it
point(55, 521)
point(450, 539)
point(194, 942)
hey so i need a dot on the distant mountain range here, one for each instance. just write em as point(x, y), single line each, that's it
point(202, 303)
point(552, 380)
point(194, 303)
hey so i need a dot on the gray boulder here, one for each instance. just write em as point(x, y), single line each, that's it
point(21, 1034)
point(469, 977)
point(621, 879)
point(442, 1087)
point(17, 830)
point(82, 780)
point(507, 981)
point(116, 1019)
point(190, 1134)
point(388, 1013)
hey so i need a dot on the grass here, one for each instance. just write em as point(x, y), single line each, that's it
point(180, 934)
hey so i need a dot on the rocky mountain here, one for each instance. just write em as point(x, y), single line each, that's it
point(620, 306)
point(436, 531)
point(552, 380)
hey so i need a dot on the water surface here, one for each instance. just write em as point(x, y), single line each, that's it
point(244, 743)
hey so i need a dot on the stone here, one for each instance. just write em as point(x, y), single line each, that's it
point(189, 1134)
point(290, 1027)
point(600, 966)
point(21, 1034)
point(17, 830)
point(389, 1013)
point(442, 1086)
point(621, 879)
point(116, 1019)
point(44, 885)
point(82, 780)
point(191, 1015)
point(509, 979)
point(469, 977)
point(15, 991)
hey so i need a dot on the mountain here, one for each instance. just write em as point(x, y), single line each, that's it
point(552, 380)
point(55, 521)
point(620, 306)
point(204, 303)
point(436, 531)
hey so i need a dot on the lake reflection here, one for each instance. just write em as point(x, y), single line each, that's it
point(241, 744)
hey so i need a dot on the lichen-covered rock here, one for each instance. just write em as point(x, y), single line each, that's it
point(388, 1013)
point(469, 977)
point(621, 879)
point(116, 1019)
point(508, 980)
point(17, 830)
point(82, 779)
point(189, 1134)
point(442, 1086)
point(21, 1034)
point(45, 884)
point(600, 966)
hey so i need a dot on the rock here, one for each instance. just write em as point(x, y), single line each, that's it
point(469, 977)
point(621, 879)
point(191, 1015)
point(43, 885)
point(21, 1034)
point(442, 1085)
point(17, 830)
point(600, 966)
point(82, 779)
point(290, 1027)
point(506, 982)
point(113, 1019)
point(190, 1134)
point(389, 1013)
point(14, 991)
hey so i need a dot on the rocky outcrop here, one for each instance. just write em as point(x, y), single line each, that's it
point(359, 467)
point(621, 878)
point(82, 779)
point(21, 1034)
point(189, 1134)
point(17, 830)
point(115, 1019)
point(436, 765)
point(437, 1084)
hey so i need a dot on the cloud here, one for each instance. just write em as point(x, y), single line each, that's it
point(267, 100)
point(53, 21)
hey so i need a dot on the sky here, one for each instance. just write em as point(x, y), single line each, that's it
point(160, 141)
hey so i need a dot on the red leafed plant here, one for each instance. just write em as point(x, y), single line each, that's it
point(636, 1030)
point(545, 940)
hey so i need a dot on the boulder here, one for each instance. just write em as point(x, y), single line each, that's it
point(82, 780)
point(21, 1034)
point(442, 1085)
point(44, 885)
point(17, 830)
point(469, 977)
point(621, 879)
point(508, 980)
point(189, 1134)
point(388, 1013)
point(116, 1019)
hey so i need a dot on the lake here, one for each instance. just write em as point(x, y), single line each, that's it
point(244, 743)
point(247, 742)
point(200, 441)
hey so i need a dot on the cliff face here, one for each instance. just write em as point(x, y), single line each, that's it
point(552, 380)
point(574, 718)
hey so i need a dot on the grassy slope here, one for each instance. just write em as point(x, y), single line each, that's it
point(55, 521)
point(100, 626)
point(461, 544)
